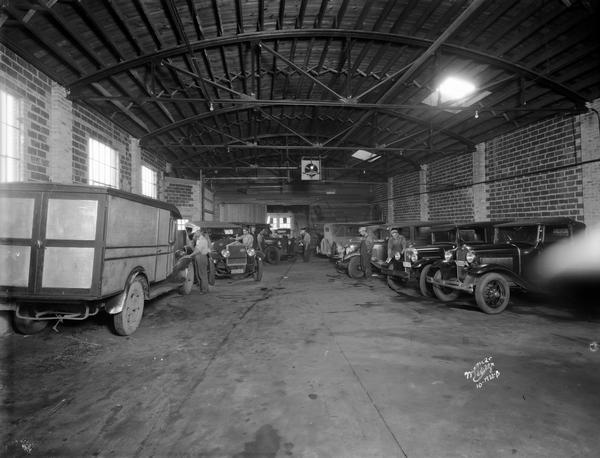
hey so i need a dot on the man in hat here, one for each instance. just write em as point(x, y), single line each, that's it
point(305, 240)
point(396, 244)
point(366, 250)
point(200, 256)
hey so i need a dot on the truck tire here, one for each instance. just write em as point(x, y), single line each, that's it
point(492, 293)
point(186, 287)
point(272, 255)
point(128, 319)
point(258, 270)
point(28, 327)
point(354, 269)
point(425, 288)
point(444, 294)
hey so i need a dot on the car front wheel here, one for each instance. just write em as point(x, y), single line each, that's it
point(354, 269)
point(492, 293)
point(424, 287)
point(27, 327)
point(272, 255)
point(442, 293)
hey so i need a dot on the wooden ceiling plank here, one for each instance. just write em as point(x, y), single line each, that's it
point(117, 16)
point(92, 23)
point(50, 47)
point(141, 10)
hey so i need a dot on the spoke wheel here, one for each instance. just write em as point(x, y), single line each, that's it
point(424, 287)
point(492, 293)
point(444, 294)
point(128, 319)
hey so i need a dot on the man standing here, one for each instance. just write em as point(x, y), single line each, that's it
point(396, 244)
point(305, 240)
point(366, 251)
point(200, 257)
point(246, 238)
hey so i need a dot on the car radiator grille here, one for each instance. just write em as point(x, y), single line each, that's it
point(461, 264)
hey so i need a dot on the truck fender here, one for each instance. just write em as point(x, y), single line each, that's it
point(115, 304)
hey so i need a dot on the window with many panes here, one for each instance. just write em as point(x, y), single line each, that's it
point(148, 182)
point(11, 138)
point(104, 164)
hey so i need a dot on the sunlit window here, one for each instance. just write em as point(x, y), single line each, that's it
point(104, 164)
point(149, 182)
point(11, 140)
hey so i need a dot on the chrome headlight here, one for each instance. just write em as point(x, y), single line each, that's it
point(448, 256)
point(251, 251)
point(397, 256)
point(350, 249)
point(412, 255)
point(470, 257)
point(279, 243)
point(225, 253)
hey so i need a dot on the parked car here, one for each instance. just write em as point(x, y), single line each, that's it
point(488, 271)
point(216, 231)
point(419, 258)
point(69, 251)
point(350, 259)
point(229, 258)
point(336, 235)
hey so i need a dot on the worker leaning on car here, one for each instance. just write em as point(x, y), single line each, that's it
point(396, 244)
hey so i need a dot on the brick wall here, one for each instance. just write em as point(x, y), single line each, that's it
point(186, 195)
point(406, 197)
point(448, 184)
point(87, 124)
point(530, 173)
point(23, 81)
point(380, 196)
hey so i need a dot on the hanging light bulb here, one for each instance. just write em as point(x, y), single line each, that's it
point(476, 114)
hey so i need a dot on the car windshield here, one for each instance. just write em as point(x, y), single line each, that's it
point(472, 235)
point(525, 234)
point(218, 233)
point(443, 236)
point(345, 230)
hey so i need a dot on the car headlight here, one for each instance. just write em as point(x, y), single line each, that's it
point(279, 243)
point(350, 249)
point(251, 251)
point(225, 253)
point(412, 255)
point(448, 256)
point(397, 256)
point(470, 257)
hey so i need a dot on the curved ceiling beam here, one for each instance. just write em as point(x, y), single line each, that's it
point(236, 109)
point(343, 34)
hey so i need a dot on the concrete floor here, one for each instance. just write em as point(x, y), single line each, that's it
point(308, 363)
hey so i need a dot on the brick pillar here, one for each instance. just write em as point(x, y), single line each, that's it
point(590, 151)
point(480, 189)
point(60, 155)
point(423, 196)
point(390, 200)
point(136, 165)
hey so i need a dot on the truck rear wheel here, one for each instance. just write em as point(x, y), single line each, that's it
point(444, 294)
point(25, 326)
point(354, 269)
point(492, 293)
point(128, 319)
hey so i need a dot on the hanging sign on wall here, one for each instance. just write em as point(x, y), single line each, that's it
point(310, 169)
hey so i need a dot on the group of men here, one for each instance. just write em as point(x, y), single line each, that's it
point(396, 244)
point(200, 244)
